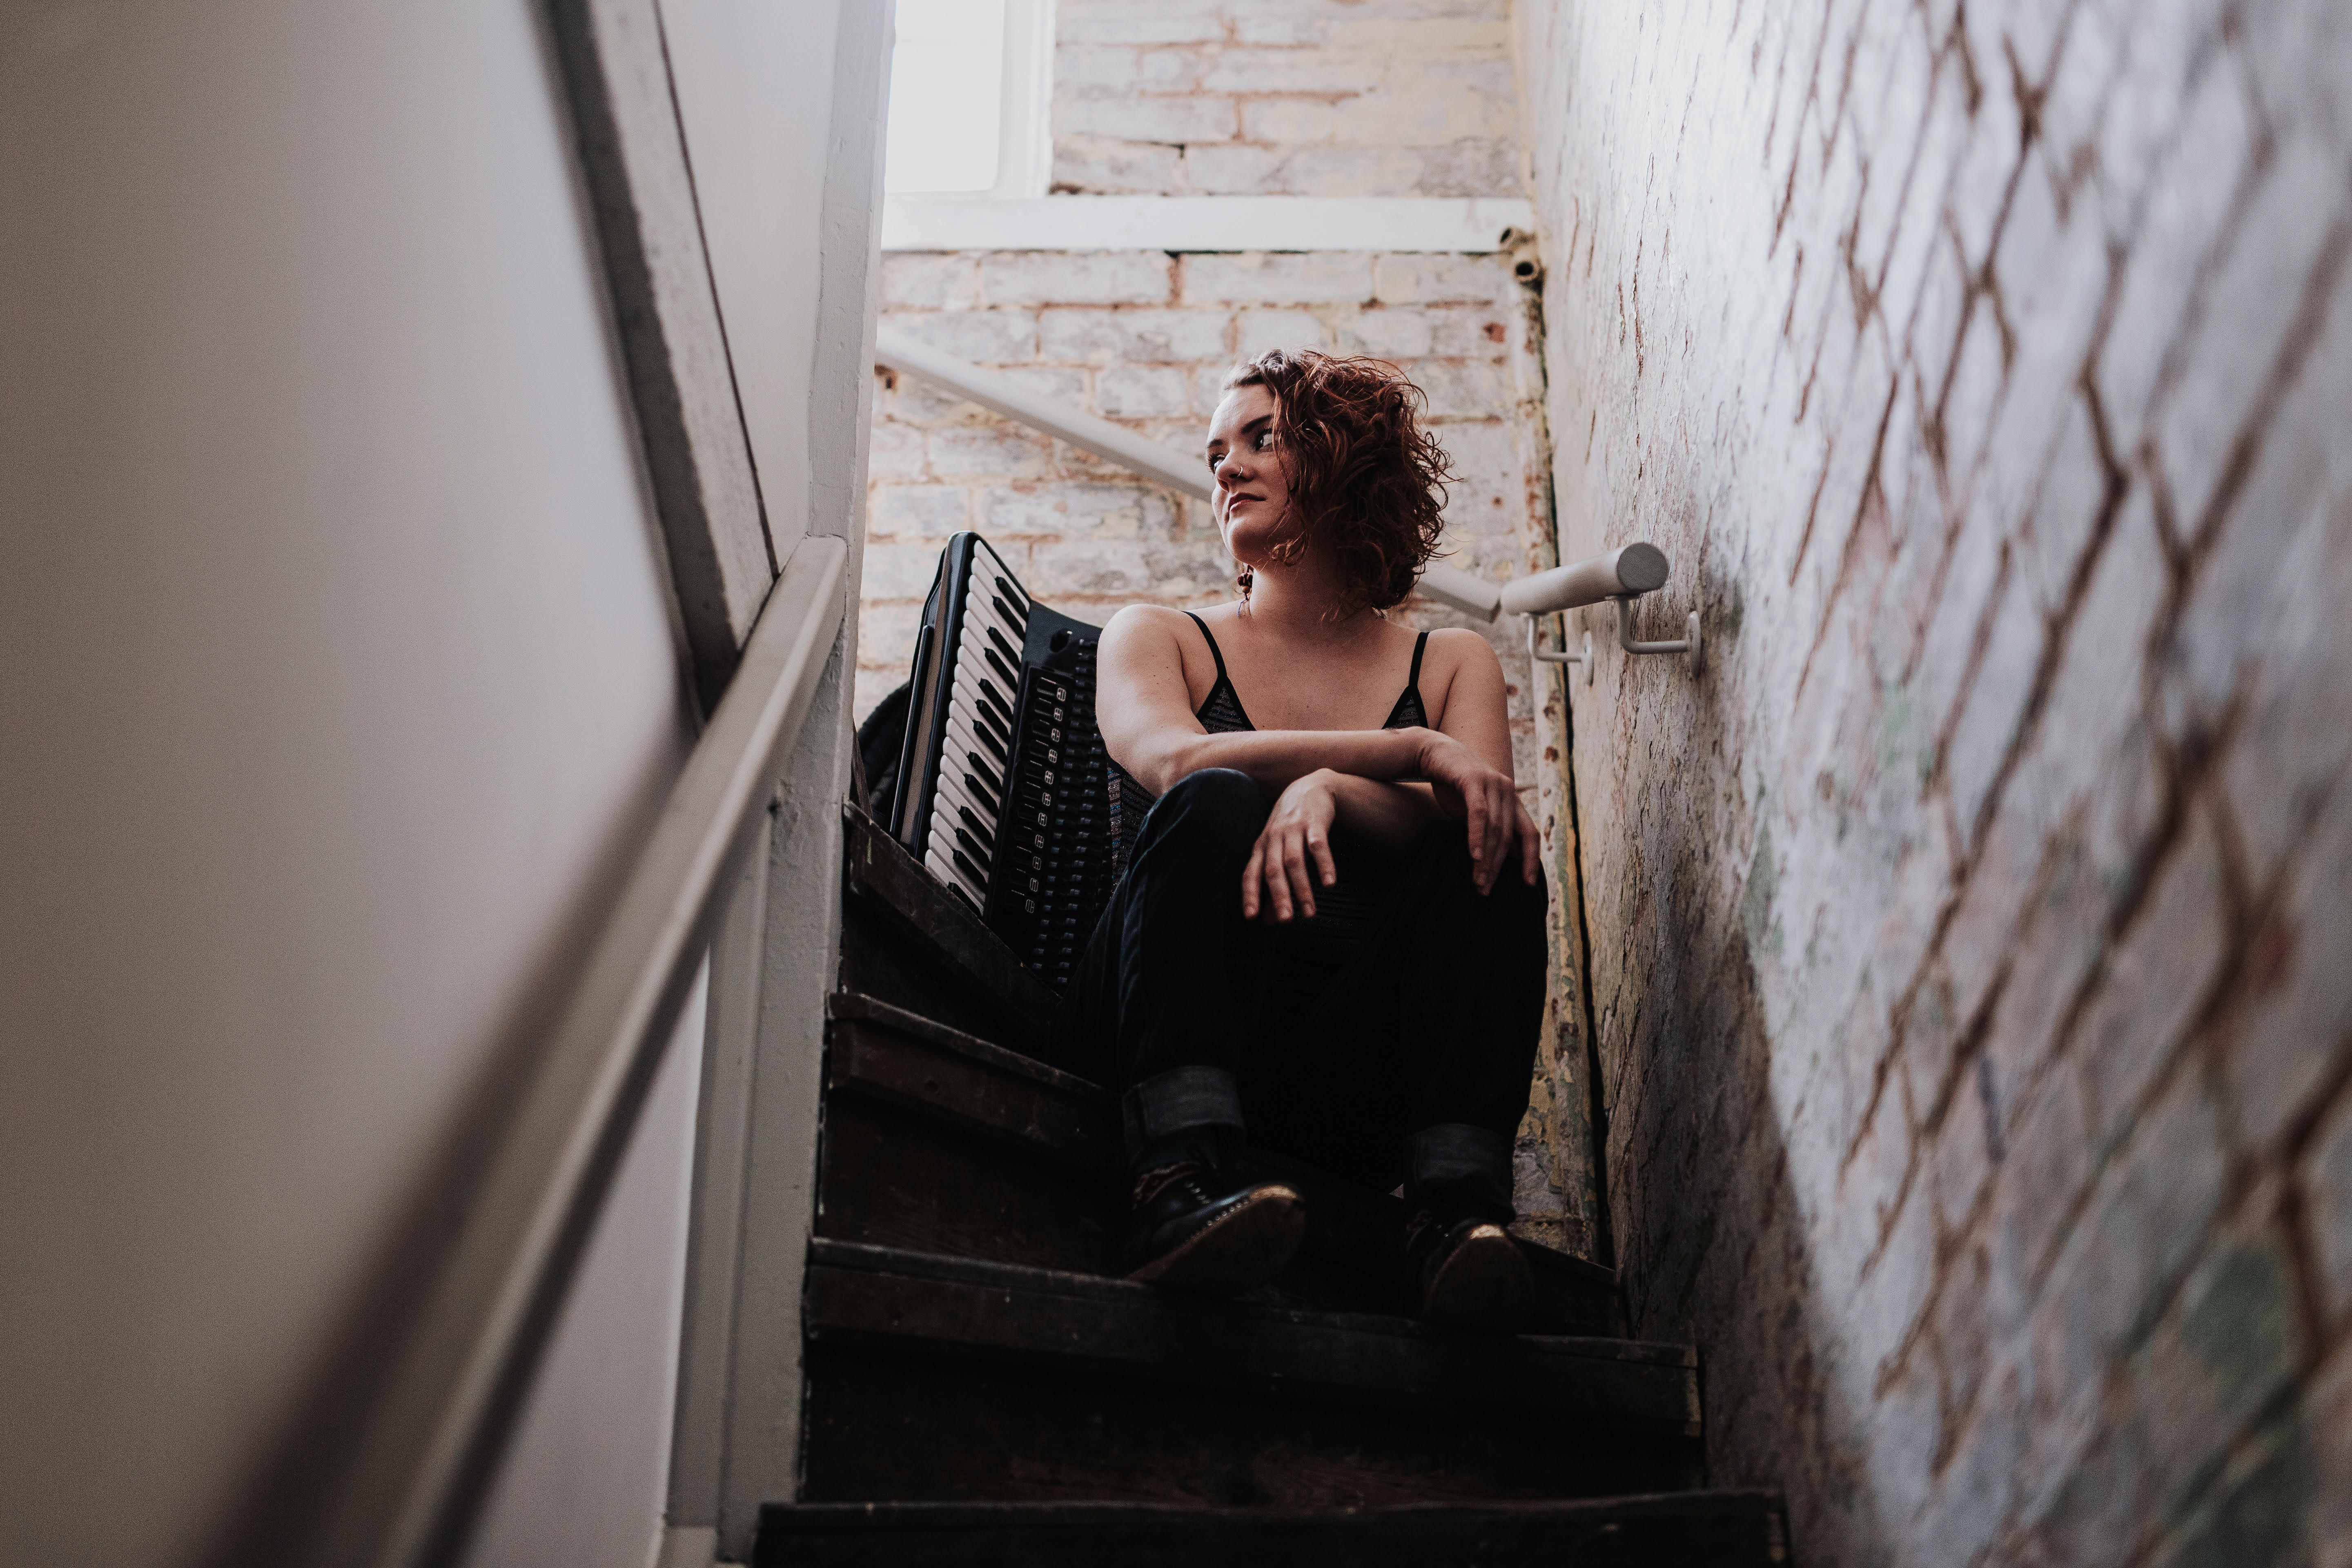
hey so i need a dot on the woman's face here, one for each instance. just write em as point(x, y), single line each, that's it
point(1253, 480)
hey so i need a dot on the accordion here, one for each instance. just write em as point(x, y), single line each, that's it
point(1001, 786)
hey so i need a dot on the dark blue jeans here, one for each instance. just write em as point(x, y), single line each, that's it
point(1392, 1038)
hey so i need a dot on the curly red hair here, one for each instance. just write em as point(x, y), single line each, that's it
point(1364, 474)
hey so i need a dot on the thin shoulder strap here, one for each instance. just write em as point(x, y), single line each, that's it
point(1420, 646)
point(1218, 653)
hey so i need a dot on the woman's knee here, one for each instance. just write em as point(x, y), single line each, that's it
point(1516, 911)
point(1215, 803)
point(1521, 900)
point(1513, 903)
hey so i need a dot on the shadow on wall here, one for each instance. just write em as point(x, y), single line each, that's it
point(1712, 1242)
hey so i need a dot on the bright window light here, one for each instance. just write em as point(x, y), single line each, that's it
point(947, 95)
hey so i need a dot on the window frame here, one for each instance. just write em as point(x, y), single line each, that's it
point(1024, 111)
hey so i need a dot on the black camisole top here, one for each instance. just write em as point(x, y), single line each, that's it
point(1220, 713)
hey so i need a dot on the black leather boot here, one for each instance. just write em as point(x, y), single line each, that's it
point(1469, 1273)
point(1466, 1270)
point(1198, 1227)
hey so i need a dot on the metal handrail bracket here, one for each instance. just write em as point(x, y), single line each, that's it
point(1689, 644)
point(432, 1444)
point(1542, 655)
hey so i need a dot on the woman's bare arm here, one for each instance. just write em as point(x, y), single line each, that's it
point(1144, 710)
point(1391, 814)
point(1473, 708)
point(1474, 711)
point(1470, 709)
point(1293, 856)
point(1145, 714)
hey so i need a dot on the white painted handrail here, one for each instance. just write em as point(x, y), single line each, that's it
point(1623, 573)
point(430, 1443)
point(895, 350)
point(1474, 596)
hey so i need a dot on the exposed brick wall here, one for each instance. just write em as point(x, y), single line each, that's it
point(1322, 98)
point(1971, 952)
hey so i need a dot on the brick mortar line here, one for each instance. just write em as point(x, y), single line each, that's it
point(2218, 1472)
point(1872, 487)
point(2320, 1334)
point(2303, 331)
point(2172, 363)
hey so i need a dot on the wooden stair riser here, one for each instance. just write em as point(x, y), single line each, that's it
point(884, 1425)
point(1718, 1530)
point(878, 960)
point(893, 1180)
point(960, 965)
point(989, 1311)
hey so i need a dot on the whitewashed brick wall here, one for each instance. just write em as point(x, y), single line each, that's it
point(1972, 948)
point(1323, 97)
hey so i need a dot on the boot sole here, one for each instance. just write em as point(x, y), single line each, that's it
point(1484, 1286)
point(1246, 1247)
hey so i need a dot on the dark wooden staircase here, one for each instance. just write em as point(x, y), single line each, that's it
point(979, 1389)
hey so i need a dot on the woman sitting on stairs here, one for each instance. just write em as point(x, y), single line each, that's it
point(1329, 932)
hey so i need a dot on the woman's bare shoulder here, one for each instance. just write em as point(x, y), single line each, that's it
point(1149, 633)
point(1453, 648)
point(1459, 660)
point(1143, 620)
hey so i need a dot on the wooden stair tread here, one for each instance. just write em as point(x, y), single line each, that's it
point(1731, 1529)
point(914, 1026)
point(879, 1296)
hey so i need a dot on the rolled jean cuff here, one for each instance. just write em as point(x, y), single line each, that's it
point(1457, 1156)
point(1177, 1100)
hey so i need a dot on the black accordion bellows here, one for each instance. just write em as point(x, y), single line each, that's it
point(1001, 783)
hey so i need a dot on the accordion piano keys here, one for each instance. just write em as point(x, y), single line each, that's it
point(1009, 807)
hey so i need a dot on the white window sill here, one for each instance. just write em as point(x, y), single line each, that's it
point(1201, 223)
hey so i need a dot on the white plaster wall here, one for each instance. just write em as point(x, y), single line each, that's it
point(585, 1471)
point(754, 82)
point(336, 681)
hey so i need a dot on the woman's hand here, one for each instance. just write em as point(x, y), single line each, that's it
point(1292, 850)
point(1487, 802)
